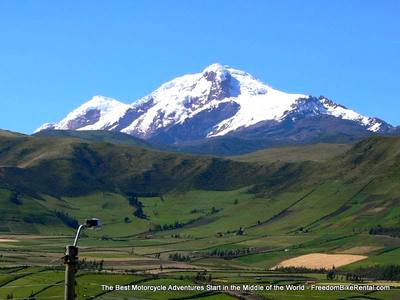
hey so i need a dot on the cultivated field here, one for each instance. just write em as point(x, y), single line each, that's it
point(320, 260)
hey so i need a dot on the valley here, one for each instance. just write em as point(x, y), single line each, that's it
point(171, 218)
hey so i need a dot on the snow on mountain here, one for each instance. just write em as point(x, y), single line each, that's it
point(186, 96)
point(98, 113)
point(218, 101)
point(339, 111)
point(323, 106)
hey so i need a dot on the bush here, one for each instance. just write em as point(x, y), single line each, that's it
point(179, 257)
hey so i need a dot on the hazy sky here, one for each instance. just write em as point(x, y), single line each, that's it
point(54, 55)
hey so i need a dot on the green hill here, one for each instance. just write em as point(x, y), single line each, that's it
point(96, 135)
point(298, 153)
point(7, 133)
point(70, 166)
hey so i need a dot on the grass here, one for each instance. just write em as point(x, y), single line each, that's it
point(385, 257)
point(26, 285)
point(90, 285)
point(314, 152)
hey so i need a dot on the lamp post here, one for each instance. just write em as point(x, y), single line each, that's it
point(71, 258)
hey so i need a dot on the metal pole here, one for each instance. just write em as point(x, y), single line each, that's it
point(77, 234)
point(70, 261)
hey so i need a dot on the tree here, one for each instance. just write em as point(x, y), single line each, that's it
point(331, 275)
point(139, 211)
point(138, 205)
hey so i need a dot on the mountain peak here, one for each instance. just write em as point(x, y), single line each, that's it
point(98, 111)
point(99, 100)
point(216, 72)
point(217, 67)
point(221, 69)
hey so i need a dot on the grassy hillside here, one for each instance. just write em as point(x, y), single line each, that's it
point(361, 179)
point(70, 166)
point(96, 135)
point(314, 152)
point(7, 133)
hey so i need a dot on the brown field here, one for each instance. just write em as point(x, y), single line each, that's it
point(8, 241)
point(321, 260)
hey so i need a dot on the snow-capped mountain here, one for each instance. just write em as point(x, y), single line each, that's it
point(99, 113)
point(216, 102)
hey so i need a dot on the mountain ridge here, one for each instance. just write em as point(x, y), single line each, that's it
point(73, 165)
point(219, 101)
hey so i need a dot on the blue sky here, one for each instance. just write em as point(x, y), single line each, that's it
point(54, 55)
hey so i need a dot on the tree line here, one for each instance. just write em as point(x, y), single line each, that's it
point(84, 264)
point(379, 230)
point(230, 253)
point(179, 257)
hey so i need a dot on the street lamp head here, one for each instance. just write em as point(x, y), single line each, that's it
point(93, 223)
